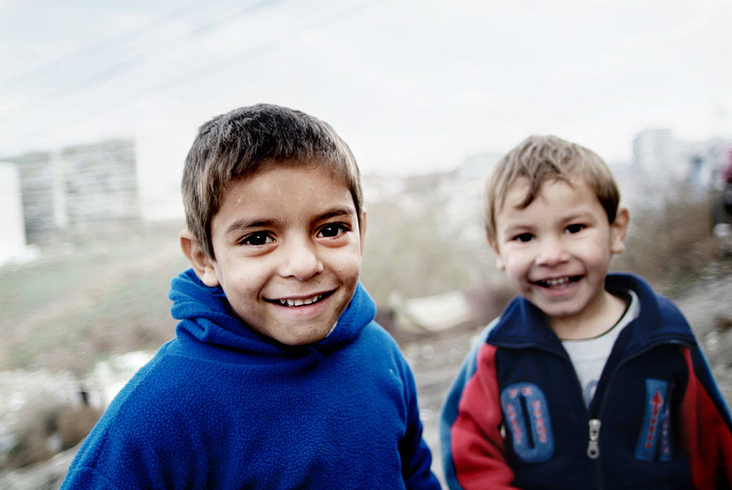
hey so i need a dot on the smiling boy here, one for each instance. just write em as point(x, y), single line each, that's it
point(278, 376)
point(289, 270)
point(587, 379)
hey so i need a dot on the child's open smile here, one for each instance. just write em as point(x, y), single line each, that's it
point(287, 245)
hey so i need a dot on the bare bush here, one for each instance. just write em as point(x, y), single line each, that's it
point(672, 245)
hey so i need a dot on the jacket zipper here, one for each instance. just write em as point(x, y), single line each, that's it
point(593, 446)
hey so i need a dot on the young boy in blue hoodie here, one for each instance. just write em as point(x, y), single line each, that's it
point(587, 379)
point(278, 376)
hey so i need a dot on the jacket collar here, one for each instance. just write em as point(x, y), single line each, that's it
point(523, 325)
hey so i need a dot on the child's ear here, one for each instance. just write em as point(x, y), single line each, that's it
point(499, 260)
point(618, 230)
point(202, 264)
point(362, 229)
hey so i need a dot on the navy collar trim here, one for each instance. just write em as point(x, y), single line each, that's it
point(523, 325)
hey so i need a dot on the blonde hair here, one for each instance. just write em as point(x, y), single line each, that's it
point(540, 159)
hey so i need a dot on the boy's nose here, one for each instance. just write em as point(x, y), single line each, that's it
point(552, 251)
point(300, 260)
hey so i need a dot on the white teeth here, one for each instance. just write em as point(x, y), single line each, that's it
point(300, 302)
point(560, 281)
point(557, 282)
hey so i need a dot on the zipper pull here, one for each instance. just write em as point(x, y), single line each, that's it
point(593, 448)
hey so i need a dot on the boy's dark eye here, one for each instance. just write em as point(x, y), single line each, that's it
point(332, 230)
point(257, 238)
point(575, 228)
point(524, 237)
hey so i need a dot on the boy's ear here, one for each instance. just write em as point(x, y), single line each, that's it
point(202, 264)
point(362, 228)
point(618, 229)
point(499, 260)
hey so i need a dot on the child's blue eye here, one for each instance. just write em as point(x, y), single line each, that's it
point(575, 228)
point(257, 238)
point(332, 230)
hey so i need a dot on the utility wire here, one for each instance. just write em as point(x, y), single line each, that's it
point(50, 68)
point(203, 71)
point(130, 62)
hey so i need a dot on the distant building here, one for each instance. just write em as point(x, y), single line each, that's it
point(661, 162)
point(12, 238)
point(100, 184)
point(37, 177)
point(656, 152)
point(78, 190)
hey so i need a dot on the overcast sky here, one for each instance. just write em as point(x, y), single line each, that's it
point(413, 85)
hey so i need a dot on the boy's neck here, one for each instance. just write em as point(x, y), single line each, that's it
point(592, 322)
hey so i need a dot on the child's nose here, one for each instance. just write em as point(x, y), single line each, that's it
point(300, 260)
point(552, 251)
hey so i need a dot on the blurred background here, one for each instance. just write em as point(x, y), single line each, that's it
point(100, 101)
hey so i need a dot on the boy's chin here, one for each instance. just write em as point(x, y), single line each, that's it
point(301, 335)
point(554, 312)
point(299, 342)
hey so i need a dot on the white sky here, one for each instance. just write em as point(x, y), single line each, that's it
point(412, 85)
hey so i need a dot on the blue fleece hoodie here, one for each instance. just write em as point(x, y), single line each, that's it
point(222, 406)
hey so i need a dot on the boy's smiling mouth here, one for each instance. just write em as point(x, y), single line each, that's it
point(558, 282)
point(303, 301)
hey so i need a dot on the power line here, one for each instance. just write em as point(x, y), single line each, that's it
point(130, 62)
point(269, 45)
point(203, 71)
point(28, 76)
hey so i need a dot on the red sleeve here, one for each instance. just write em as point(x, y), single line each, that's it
point(477, 444)
point(705, 430)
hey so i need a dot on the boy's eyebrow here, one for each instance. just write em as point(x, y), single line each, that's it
point(515, 228)
point(245, 223)
point(581, 214)
point(336, 212)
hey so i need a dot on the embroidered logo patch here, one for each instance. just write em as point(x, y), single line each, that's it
point(527, 419)
point(655, 436)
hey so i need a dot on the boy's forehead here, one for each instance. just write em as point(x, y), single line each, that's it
point(516, 196)
point(279, 180)
point(282, 169)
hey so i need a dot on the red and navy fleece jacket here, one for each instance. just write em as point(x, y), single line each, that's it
point(515, 417)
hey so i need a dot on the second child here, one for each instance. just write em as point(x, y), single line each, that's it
point(587, 379)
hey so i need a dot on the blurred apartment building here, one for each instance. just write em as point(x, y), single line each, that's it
point(76, 192)
point(664, 165)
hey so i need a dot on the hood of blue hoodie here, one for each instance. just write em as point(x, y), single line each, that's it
point(204, 314)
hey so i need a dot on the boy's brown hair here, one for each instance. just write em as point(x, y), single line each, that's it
point(546, 158)
point(238, 144)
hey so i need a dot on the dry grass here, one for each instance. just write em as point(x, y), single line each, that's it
point(672, 246)
point(69, 309)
